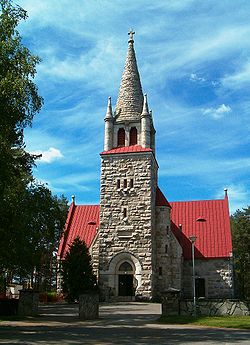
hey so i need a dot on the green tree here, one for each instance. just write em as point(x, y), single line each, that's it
point(45, 216)
point(77, 272)
point(19, 102)
point(240, 222)
point(19, 99)
point(31, 239)
point(31, 219)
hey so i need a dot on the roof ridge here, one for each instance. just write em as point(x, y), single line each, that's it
point(198, 200)
point(67, 225)
point(88, 205)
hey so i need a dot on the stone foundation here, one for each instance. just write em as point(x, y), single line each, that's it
point(89, 306)
point(216, 307)
point(28, 302)
point(171, 302)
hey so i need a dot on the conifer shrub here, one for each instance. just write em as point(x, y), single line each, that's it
point(77, 272)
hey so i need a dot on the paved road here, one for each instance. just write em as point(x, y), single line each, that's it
point(120, 323)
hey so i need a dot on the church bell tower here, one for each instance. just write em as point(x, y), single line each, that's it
point(128, 192)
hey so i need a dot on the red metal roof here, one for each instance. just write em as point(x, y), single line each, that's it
point(160, 199)
point(209, 221)
point(82, 222)
point(127, 149)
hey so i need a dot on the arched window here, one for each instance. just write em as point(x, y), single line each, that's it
point(125, 267)
point(121, 137)
point(133, 136)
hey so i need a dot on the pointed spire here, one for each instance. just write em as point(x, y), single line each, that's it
point(130, 98)
point(109, 113)
point(145, 105)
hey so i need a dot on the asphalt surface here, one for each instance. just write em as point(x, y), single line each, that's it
point(119, 323)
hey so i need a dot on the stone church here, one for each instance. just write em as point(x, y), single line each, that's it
point(139, 242)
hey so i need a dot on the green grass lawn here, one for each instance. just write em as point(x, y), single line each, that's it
point(242, 322)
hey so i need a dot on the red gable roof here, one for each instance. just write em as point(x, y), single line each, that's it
point(209, 221)
point(82, 222)
point(127, 149)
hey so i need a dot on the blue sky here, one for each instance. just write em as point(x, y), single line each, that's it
point(194, 62)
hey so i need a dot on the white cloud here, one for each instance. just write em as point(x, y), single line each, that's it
point(219, 112)
point(91, 67)
point(194, 77)
point(48, 156)
point(82, 60)
point(239, 78)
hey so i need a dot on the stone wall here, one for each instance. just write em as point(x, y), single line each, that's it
point(218, 275)
point(168, 253)
point(129, 231)
point(216, 307)
point(88, 306)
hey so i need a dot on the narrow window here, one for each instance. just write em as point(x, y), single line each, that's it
point(118, 184)
point(125, 183)
point(124, 212)
point(133, 136)
point(121, 137)
point(200, 287)
point(160, 271)
point(131, 183)
point(166, 248)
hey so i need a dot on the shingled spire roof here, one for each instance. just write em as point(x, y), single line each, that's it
point(130, 98)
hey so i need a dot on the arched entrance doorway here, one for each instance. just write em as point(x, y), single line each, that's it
point(125, 280)
point(124, 276)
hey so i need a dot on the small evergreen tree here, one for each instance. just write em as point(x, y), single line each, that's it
point(77, 272)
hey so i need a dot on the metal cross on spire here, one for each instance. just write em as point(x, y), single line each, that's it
point(131, 35)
